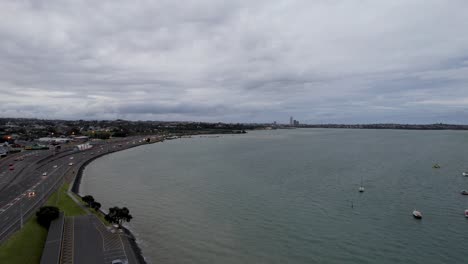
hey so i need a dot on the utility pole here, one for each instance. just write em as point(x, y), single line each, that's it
point(21, 213)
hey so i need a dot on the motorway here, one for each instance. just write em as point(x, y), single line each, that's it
point(37, 174)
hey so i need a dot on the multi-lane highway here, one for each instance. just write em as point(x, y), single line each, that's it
point(28, 178)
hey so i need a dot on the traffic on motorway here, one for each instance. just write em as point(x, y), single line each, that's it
point(28, 178)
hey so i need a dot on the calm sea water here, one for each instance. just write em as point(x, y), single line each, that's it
point(291, 196)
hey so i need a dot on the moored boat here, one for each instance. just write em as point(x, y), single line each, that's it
point(361, 188)
point(417, 214)
point(465, 174)
point(436, 166)
point(466, 213)
point(464, 192)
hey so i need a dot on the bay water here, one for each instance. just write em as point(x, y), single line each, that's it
point(291, 196)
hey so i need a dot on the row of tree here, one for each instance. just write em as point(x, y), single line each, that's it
point(116, 214)
point(90, 202)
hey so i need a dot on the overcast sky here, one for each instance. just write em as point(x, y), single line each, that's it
point(236, 61)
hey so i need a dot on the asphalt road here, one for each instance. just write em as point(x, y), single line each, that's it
point(24, 189)
point(87, 241)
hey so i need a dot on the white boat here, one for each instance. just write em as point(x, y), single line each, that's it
point(465, 174)
point(417, 214)
point(361, 188)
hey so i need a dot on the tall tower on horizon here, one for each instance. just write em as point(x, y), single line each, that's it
point(291, 121)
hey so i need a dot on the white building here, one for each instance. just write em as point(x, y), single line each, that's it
point(3, 151)
point(54, 139)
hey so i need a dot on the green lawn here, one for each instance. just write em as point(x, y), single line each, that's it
point(61, 199)
point(26, 245)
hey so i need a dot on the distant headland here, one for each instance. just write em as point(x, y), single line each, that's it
point(438, 126)
point(28, 129)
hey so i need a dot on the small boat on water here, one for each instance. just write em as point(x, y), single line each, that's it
point(417, 214)
point(464, 192)
point(466, 213)
point(361, 188)
point(465, 174)
point(436, 166)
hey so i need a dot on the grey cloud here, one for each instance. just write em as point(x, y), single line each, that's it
point(247, 61)
point(150, 108)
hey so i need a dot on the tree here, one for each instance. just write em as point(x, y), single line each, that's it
point(118, 215)
point(88, 199)
point(46, 214)
point(95, 205)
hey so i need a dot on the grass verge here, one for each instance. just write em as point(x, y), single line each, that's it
point(96, 213)
point(26, 245)
point(61, 199)
point(101, 217)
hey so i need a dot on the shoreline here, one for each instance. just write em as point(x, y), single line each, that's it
point(75, 187)
point(76, 182)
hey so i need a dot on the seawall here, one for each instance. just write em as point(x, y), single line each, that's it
point(75, 187)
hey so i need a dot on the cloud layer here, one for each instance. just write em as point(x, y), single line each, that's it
point(237, 61)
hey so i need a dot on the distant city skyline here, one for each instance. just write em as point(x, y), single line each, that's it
point(344, 62)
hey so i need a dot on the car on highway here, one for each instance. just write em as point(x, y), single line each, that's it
point(31, 193)
point(71, 157)
point(55, 166)
point(12, 168)
point(44, 174)
point(70, 164)
point(119, 261)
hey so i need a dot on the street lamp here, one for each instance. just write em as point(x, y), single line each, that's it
point(21, 214)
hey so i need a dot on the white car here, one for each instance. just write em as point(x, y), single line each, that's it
point(44, 174)
point(70, 164)
point(71, 157)
point(119, 261)
point(55, 166)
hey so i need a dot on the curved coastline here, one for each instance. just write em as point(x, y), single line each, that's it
point(75, 187)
